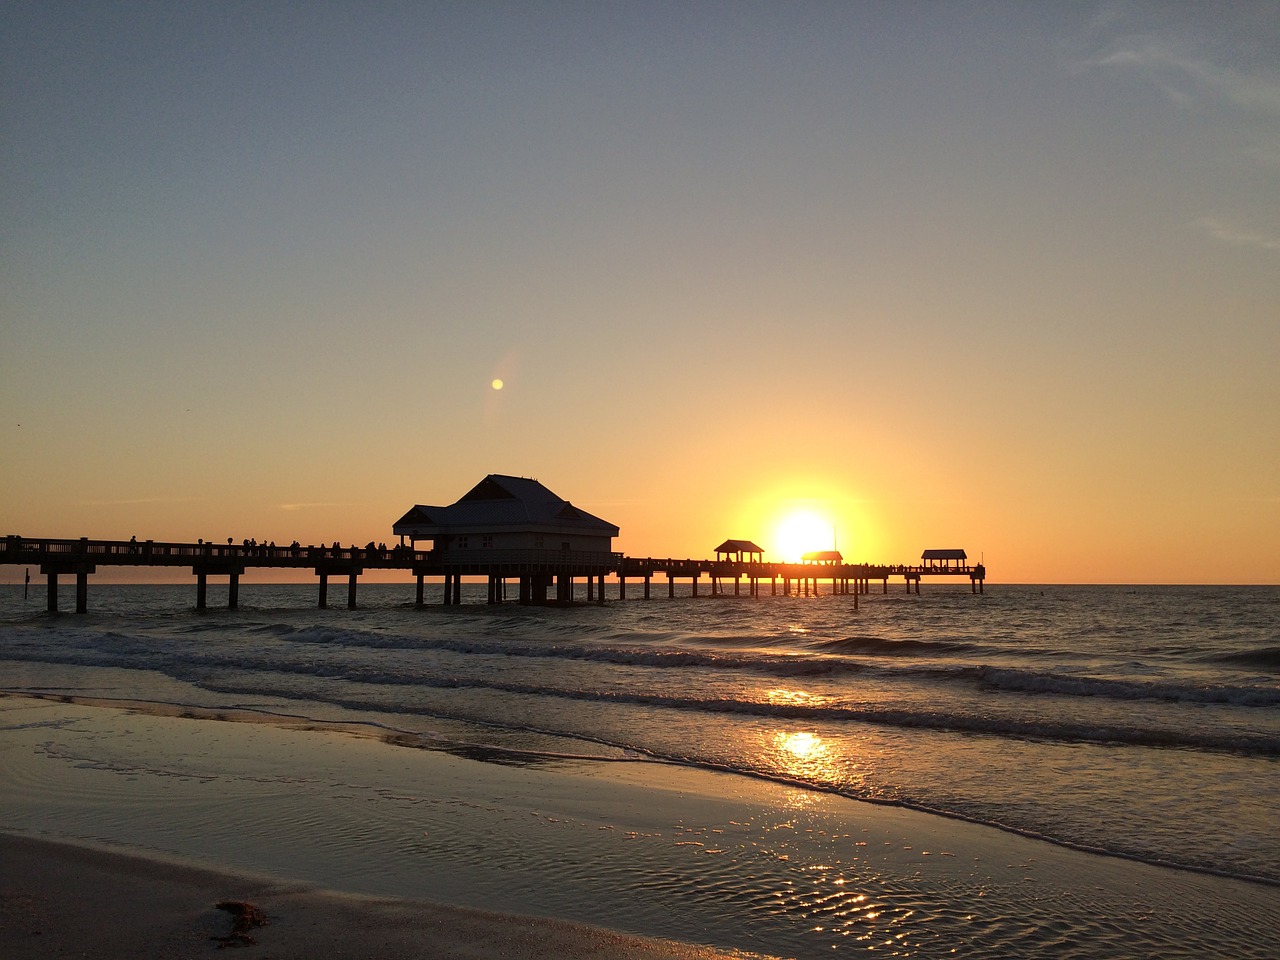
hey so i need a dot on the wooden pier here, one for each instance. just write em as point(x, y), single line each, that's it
point(537, 571)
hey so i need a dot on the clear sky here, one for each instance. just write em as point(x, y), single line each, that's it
point(1000, 276)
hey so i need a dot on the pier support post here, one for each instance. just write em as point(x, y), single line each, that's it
point(51, 577)
point(600, 590)
point(351, 588)
point(457, 589)
point(622, 587)
point(233, 591)
point(695, 585)
point(671, 585)
point(82, 591)
point(419, 602)
point(647, 576)
point(202, 589)
point(324, 588)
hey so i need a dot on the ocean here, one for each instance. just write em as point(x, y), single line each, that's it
point(1133, 722)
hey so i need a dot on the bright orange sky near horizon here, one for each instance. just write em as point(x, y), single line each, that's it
point(1001, 277)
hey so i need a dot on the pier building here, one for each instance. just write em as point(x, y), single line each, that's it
point(513, 527)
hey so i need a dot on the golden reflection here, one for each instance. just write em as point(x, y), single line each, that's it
point(804, 755)
point(783, 696)
point(802, 746)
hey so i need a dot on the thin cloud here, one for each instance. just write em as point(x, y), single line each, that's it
point(137, 501)
point(314, 506)
point(1238, 236)
point(1187, 79)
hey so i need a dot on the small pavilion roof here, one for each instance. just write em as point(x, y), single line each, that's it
point(739, 546)
point(823, 556)
point(943, 555)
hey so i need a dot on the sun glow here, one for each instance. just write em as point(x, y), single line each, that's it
point(800, 532)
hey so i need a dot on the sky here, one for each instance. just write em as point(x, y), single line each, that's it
point(997, 276)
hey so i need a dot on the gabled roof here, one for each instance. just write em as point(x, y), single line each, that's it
point(738, 546)
point(500, 501)
point(415, 515)
point(943, 555)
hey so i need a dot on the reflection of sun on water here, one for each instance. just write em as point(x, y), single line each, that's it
point(791, 698)
point(803, 755)
point(803, 746)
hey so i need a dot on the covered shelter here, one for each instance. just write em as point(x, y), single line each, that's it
point(822, 556)
point(944, 559)
point(734, 550)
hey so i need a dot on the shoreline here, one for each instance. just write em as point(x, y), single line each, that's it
point(364, 729)
point(683, 855)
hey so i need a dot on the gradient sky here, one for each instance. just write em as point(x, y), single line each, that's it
point(1000, 276)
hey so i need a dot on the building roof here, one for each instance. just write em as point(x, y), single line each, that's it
point(738, 546)
point(823, 556)
point(943, 555)
point(498, 502)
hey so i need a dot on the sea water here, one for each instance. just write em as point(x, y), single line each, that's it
point(1134, 722)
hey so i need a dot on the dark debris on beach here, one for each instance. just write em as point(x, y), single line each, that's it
point(244, 918)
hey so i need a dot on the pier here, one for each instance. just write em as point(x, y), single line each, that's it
point(537, 572)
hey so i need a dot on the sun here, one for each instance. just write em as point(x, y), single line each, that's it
point(800, 532)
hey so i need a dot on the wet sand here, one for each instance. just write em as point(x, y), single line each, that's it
point(171, 814)
point(59, 900)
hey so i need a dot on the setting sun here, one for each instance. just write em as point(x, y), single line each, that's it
point(799, 533)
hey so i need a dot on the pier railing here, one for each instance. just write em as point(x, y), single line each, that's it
point(536, 568)
point(160, 553)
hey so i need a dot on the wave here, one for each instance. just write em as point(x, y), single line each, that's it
point(828, 663)
point(890, 647)
point(824, 661)
point(1030, 681)
point(907, 717)
point(1263, 658)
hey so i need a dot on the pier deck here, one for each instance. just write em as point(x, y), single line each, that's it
point(536, 570)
